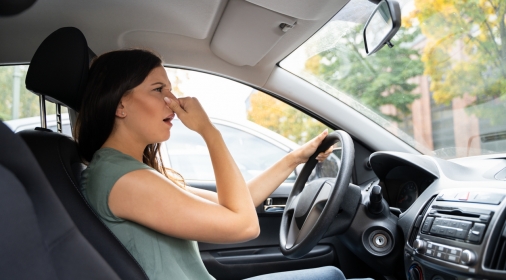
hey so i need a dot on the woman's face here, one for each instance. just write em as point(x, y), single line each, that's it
point(146, 115)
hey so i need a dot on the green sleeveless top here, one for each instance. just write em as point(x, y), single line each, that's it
point(161, 256)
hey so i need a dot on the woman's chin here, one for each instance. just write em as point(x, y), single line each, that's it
point(166, 137)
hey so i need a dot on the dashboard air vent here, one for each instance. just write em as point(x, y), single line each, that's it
point(418, 221)
point(496, 258)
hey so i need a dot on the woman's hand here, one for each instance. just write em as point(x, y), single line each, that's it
point(266, 182)
point(303, 153)
point(191, 113)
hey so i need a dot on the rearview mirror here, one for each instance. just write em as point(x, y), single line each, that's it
point(381, 26)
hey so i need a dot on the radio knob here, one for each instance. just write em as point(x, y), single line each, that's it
point(468, 257)
point(420, 246)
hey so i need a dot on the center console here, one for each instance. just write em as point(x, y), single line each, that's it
point(452, 235)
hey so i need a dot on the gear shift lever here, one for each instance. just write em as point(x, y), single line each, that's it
point(375, 200)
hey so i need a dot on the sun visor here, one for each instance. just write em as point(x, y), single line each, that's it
point(301, 9)
point(247, 32)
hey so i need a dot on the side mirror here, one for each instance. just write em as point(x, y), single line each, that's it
point(381, 26)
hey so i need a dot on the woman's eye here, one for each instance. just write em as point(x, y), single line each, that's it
point(159, 89)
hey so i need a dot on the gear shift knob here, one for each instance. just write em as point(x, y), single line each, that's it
point(375, 200)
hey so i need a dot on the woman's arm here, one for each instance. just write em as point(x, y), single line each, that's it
point(265, 183)
point(150, 199)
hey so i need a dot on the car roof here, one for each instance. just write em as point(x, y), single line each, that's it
point(238, 39)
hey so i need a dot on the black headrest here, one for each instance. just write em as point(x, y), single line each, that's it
point(59, 68)
point(14, 7)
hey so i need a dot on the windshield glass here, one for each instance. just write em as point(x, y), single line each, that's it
point(441, 88)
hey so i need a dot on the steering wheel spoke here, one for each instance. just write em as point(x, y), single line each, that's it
point(293, 234)
point(291, 204)
point(315, 212)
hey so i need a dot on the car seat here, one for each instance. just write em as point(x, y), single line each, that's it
point(58, 72)
point(39, 240)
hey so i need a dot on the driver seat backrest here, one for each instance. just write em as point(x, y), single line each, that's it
point(59, 71)
point(39, 240)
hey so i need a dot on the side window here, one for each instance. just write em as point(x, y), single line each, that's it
point(19, 108)
point(257, 128)
point(252, 153)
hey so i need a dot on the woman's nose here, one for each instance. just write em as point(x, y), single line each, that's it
point(169, 94)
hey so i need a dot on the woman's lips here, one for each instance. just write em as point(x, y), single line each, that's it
point(168, 119)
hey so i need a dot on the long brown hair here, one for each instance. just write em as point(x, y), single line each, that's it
point(111, 76)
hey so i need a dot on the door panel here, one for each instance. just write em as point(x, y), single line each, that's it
point(260, 255)
point(240, 264)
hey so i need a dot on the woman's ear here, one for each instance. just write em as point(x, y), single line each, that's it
point(120, 110)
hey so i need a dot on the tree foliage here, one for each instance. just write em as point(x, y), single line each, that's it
point(282, 118)
point(465, 51)
point(380, 79)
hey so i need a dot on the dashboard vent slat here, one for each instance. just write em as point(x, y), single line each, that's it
point(496, 259)
point(501, 263)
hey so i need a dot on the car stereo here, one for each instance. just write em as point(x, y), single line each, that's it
point(453, 230)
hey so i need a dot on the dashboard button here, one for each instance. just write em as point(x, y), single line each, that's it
point(452, 258)
point(477, 232)
point(451, 232)
point(454, 251)
point(461, 234)
point(465, 225)
point(430, 245)
point(434, 229)
point(442, 230)
point(429, 252)
point(438, 221)
point(445, 222)
point(440, 255)
point(427, 223)
point(440, 248)
point(484, 218)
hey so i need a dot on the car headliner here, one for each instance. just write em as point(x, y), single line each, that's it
point(180, 30)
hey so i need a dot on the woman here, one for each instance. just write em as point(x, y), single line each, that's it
point(126, 112)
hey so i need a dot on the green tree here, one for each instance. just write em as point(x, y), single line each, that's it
point(465, 52)
point(380, 79)
point(282, 118)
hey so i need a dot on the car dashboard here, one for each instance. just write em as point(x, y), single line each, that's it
point(452, 213)
point(403, 186)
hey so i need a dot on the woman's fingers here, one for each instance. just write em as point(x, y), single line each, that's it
point(190, 112)
point(303, 153)
point(324, 155)
point(174, 106)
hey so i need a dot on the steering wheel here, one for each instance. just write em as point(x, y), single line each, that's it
point(311, 208)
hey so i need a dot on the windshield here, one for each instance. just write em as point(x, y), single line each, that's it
point(441, 88)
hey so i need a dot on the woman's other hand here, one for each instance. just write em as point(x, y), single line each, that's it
point(190, 112)
point(303, 153)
